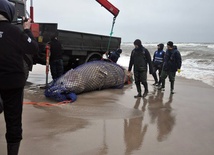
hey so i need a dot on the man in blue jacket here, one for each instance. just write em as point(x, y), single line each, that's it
point(158, 60)
point(14, 43)
point(172, 64)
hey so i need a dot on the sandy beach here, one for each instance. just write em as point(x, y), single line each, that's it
point(113, 122)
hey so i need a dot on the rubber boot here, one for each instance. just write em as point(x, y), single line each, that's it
point(155, 78)
point(13, 148)
point(159, 83)
point(172, 87)
point(138, 90)
point(1, 105)
point(145, 84)
point(162, 87)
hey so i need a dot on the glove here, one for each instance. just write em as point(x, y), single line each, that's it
point(179, 70)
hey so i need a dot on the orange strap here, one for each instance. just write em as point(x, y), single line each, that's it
point(46, 104)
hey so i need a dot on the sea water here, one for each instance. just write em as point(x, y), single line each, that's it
point(197, 59)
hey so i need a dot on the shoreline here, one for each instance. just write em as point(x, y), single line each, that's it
point(112, 121)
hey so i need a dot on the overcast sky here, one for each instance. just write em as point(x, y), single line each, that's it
point(148, 20)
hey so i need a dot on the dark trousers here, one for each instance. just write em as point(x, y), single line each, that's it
point(155, 69)
point(171, 76)
point(13, 102)
point(56, 67)
point(141, 77)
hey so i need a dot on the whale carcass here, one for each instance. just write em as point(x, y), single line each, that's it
point(96, 75)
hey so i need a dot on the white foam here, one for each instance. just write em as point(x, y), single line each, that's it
point(186, 53)
point(197, 70)
point(124, 61)
point(196, 74)
point(202, 64)
point(211, 46)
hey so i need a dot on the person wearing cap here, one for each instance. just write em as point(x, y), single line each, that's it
point(14, 43)
point(158, 59)
point(113, 56)
point(56, 61)
point(172, 64)
point(140, 58)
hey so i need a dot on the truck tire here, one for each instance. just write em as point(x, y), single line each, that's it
point(26, 70)
point(93, 57)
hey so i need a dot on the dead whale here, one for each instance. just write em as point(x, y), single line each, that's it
point(96, 75)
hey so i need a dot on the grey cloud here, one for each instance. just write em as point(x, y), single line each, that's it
point(150, 20)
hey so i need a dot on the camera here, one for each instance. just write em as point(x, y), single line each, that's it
point(21, 20)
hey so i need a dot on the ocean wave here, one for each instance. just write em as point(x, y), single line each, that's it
point(211, 46)
point(205, 76)
point(202, 64)
point(180, 45)
point(186, 53)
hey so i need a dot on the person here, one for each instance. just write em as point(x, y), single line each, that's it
point(14, 43)
point(56, 61)
point(113, 56)
point(158, 59)
point(172, 64)
point(140, 58)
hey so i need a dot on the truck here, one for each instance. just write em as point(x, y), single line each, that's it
point(78, 47)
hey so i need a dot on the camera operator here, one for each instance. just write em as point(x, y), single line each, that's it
point(14, 43)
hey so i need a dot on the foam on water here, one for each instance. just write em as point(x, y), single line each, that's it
point(198, 70)
point(211, 46)
point(124, 61)
point(186, 53)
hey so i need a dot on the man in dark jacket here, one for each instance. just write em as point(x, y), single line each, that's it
point(114, 55)
point(140, 58)
point(56, 61)
point(158, 59)
point(14, 43)
point(172, 64)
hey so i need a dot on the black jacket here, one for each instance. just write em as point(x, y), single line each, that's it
point(14, 43)
point(172, 60)
point(140, 58)
point(56, 50)
point(114, 56)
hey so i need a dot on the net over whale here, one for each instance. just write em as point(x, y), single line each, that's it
point(96, 75)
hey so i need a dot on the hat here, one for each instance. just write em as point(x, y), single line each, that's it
point(137, 42)
point(170, 44)
point(119, 50)
point(175, 47)
point(7, 9)
point(161, 46)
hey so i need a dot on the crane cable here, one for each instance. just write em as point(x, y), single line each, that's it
point(111, 33)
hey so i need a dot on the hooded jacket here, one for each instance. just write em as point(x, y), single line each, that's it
point(140, 58)
point(14, 43)
point(7, 10)
point(56, 50)
point(158, 57)
point(172, 60)
point(114, 55)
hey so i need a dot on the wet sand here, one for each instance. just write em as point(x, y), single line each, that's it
point(112, 122)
